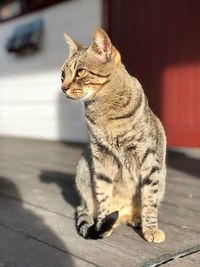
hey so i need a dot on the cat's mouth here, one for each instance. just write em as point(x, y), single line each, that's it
point(74, 96)
point(78, 95)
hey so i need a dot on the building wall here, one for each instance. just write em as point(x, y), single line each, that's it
point(31, 104)
point(163, 52)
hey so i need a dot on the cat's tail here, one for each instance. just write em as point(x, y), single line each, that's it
point(90, 231)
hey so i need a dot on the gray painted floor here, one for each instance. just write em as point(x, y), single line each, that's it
point(37, 200)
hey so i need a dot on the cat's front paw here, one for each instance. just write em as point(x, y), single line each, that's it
point(83, 229)
point(100, 228)
point(105, 226)
point(154, 235)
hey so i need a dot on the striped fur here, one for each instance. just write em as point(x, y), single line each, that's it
point(121, 176)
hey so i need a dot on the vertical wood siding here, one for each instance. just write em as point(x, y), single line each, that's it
point(160, 44)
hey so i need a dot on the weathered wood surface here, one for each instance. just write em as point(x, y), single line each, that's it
point(37, 200)
point(192, 260)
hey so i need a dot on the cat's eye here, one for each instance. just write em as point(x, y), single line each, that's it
point(80, 72)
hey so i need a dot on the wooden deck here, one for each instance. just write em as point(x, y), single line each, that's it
point(37, 200)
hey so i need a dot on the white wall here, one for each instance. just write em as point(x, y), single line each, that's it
point(31, 102)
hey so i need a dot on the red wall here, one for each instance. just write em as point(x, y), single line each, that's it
point(160, 45)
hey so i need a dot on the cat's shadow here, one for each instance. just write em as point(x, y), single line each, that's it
point(66, 182)
point(184, 161)
point(138, 231)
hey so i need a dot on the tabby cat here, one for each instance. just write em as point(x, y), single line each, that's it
point(121, 176)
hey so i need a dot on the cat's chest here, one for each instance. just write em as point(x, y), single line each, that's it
point(127, 160)
point(107, 135)
point(115, 143)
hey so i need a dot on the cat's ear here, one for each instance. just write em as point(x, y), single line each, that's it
point(101, 45)
point(73, 46)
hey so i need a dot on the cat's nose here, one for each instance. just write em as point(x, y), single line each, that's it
point(65, 87)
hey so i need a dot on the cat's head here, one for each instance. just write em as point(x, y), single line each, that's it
point(87, 71)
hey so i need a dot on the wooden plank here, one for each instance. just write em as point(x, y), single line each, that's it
point(30, 151)
point(52, 191)
point(183, 194)
point(9, 167)
point(121, 249)
point(184, 190)
point(18, 249)
point(180, 216)
point(185, 201)
point(192, 260)
point(177, 177)
point(185, 161)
